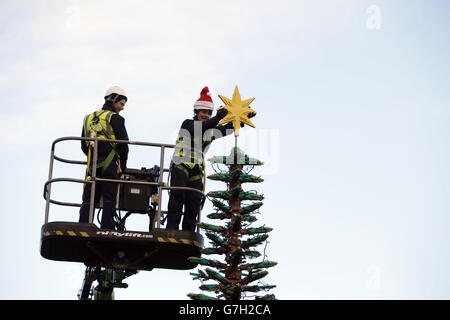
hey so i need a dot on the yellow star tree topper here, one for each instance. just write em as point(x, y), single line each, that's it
point(238, 111)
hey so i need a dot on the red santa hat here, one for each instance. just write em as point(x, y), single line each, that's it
point(204, 102)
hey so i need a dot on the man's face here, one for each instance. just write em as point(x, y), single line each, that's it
point(204, 115)
point(119, 105)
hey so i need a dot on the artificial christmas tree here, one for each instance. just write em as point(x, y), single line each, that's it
point(235, 240)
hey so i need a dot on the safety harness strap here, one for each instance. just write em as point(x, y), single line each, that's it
point(105, 163)
point(186, 171)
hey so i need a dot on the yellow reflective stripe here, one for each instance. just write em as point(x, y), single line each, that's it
point(86, 235)
point(196, 177)
point(109, 129)
point(86, 134)
point(183, 168)
point(184, 241)
point(68, 232)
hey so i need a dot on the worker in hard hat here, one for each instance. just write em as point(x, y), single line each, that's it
point(187, 168)
point(105, 123)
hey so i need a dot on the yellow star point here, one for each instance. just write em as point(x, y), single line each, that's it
point(238, 110)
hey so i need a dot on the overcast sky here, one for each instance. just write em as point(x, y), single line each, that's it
point(353, 111)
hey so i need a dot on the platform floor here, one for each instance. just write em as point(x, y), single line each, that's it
point(134, 250)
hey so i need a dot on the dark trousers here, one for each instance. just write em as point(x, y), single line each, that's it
point(190, 199)
point(108, 190)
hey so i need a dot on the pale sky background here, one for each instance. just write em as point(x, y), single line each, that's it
point(353, 111)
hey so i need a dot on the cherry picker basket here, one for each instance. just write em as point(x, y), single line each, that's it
point(134, 250)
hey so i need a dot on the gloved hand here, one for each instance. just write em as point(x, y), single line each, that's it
point(221, 113)
point(250, 115)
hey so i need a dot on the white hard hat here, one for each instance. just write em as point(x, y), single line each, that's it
point(116, 90)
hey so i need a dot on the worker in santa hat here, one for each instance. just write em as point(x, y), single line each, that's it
point(187, 168)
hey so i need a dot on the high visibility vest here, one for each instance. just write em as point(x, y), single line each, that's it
point(189, 150)
point(98, 125)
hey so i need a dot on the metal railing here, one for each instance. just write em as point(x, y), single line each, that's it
point(93, 179)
